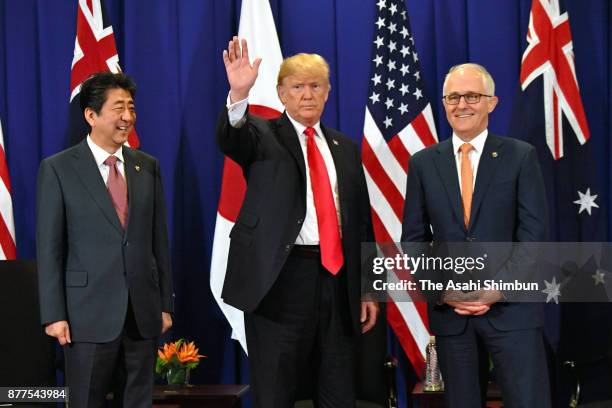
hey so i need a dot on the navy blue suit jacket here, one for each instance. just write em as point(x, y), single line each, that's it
point(508, 205)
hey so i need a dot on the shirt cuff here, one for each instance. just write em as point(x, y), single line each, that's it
point(236, 111)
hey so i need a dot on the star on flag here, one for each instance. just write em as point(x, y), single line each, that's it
point(552, 290)
point(598, 277)
point(586, 201)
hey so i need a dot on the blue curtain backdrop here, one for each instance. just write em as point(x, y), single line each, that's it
point(172, 48)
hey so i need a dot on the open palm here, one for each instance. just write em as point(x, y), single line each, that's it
point(241, 75)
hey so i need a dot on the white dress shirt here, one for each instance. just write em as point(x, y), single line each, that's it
point(474, 155)
point(309, 234)
point(100, 155)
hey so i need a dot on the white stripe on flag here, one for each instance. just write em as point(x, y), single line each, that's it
point(430, 121)
point(381, 150)
point(6, 208)
point(6, 204)
point(409, 312)
point(419, 332)
point(411, 140)
point(381, 206)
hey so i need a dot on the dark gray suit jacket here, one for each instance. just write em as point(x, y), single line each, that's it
point(87, 264)
point(508, 205)
point(275, 206)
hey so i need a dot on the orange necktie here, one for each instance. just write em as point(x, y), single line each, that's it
point(327, 218)
point(467, 181)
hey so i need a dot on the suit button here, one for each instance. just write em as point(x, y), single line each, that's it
point(300, 221)
point(125, 243)
point(469, 239)
point(287, 247)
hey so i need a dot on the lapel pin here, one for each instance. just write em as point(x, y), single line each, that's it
point(137, 167)
point(335, 142)
point(494, 154)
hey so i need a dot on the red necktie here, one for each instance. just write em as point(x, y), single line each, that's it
point(117, 189)
point(327, 218)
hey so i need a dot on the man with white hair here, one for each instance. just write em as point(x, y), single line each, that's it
point(477, 186)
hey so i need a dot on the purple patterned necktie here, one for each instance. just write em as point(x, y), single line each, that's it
point(117, 189)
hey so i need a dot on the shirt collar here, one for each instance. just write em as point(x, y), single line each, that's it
point(99, 154)
point(478, 142)
point(299, 128)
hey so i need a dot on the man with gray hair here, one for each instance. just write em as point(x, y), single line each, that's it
point(477, 186)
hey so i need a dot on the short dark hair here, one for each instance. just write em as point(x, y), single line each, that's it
point(93, 89)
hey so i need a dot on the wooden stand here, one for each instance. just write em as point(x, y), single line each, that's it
point(208, 396)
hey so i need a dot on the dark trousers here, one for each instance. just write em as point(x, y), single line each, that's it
point(518, 356)
point(302, 322)
point(124, 366)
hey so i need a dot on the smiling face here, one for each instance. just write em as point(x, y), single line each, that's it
point(468, 120)
point(110, 128)
point(304, 96)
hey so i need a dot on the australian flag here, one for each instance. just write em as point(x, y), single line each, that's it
point(94, 51)
point(549, 114)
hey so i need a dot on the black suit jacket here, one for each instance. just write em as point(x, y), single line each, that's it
point(87, 263)
point(274, 206)
point(508, 205)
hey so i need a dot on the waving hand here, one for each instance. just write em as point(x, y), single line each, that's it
point(241, 75)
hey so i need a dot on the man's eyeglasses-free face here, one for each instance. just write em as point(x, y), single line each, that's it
point(471, 98)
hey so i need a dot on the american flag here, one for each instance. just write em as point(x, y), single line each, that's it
point(549, 113)
point(398, 123)
point(94, 51)
point(8, 249)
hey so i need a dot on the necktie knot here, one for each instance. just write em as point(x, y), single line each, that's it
point(309, 132)
point(111, 161)
point(466, 148)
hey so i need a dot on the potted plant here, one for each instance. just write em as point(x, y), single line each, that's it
point(175, 361)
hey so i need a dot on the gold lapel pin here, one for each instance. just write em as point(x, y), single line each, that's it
point(137, 167)
point(494, 154)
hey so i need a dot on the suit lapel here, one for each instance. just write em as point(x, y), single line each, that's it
point(289, 138)
point(339, 156)
point(447, 169)
point(489, 160)
point(86, 169)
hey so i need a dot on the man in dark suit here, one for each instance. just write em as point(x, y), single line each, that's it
point(104, 272)
point(477, 186)
point(294, 258)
